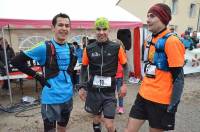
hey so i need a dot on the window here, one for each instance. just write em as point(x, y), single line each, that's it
point(26, 43)
point(174, 6)
point(192, 10)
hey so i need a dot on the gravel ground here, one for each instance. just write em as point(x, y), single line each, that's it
point(187, 118)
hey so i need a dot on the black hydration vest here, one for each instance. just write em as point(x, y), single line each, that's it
point(51, 66)
point(103, 58)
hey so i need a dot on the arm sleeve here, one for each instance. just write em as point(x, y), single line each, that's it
point(123, 61)
point(178, 84)
point(83, 77)
point(126, 72)
point(20, 62)
point(84, 71)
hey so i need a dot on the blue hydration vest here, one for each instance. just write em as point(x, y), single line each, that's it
point(160, 57)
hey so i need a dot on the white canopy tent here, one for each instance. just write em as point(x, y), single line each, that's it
point(77, 9)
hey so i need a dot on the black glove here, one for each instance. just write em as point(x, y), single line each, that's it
point(42, 80)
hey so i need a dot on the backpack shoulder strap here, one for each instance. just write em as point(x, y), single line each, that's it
point(168, 34)
point(71, 48)
point(160, 44)
point(50, 51)
point(149, 41)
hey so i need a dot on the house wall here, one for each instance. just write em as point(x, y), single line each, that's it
point(180, 19)
point(27, 36)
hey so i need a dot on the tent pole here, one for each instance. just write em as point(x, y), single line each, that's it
point(7, 71)
point(10, 39)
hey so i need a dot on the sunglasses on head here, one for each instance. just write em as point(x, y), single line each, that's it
point(99, 29)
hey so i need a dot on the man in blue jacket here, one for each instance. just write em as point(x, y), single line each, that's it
point(57, 58)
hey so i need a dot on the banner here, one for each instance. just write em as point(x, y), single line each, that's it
point(192, 61)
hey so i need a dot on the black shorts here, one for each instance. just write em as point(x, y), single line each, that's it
point(155, 113)
point(57, 112)
point(101, 102)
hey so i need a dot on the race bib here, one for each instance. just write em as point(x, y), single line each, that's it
point(102, 81)
point(150, 70)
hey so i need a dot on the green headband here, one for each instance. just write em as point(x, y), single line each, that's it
point(102, 22)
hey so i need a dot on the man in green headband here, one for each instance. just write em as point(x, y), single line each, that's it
point(102, 57)
point(102, 22)
point(102, 26)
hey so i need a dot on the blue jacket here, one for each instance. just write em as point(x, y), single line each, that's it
point(79, 54)
point(187, 42)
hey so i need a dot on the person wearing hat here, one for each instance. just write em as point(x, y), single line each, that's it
point(187, 41)
point(79, 54)
point(162, 85)
point(195, 39)
point(99, 91)
point(172, 30)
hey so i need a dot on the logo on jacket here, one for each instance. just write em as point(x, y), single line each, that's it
point(95, 54)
